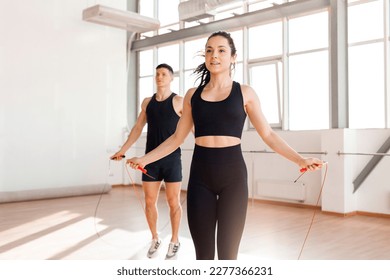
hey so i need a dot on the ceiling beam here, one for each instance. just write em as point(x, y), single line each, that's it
point(248, 19)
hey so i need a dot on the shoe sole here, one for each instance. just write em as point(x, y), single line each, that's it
point(154, 254)
point(171, 258)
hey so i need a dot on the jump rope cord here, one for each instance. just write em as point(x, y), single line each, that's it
point(135, 189)
point(99, 200)
point(315, 209)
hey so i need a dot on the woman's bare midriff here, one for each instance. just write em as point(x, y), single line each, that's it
point(217, 141)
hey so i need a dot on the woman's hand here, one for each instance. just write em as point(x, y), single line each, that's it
point(311, 164)
point(135, 163)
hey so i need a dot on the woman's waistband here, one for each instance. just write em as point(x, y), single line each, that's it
point(217, 154)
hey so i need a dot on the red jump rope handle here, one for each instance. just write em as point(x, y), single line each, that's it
point(118, 157)
point(142, 169)
point(305, 169)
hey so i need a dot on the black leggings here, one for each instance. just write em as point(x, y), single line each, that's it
point(217, 196)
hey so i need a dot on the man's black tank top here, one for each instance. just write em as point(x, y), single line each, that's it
point(162, 121)
point(225, 117)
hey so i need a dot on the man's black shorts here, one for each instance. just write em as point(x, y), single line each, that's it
point(167, 169)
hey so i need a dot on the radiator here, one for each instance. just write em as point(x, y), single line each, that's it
point(280, 190)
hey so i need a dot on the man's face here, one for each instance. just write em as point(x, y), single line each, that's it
point(163, 77)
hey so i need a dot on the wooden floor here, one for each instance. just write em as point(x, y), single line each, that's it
point(113, 227)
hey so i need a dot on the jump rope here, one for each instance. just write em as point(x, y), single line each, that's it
point(303, 171)
point(144, 171)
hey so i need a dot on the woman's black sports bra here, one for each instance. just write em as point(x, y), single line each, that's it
point(219, 118)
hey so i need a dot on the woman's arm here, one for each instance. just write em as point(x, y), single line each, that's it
point(183, 128)
point(272, 139)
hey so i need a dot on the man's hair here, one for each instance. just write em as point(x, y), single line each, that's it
point(166, 66)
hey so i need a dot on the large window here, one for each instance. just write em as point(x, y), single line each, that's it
point(265, 78)
point(366, 64)
point(365, 21)
point(265, 40)
point(146, 79)
point(286, 61)
point(265, 45)
point(309, 91)
point(308, 72)
point(366, 86)
point(169, 55)
point(308, 32)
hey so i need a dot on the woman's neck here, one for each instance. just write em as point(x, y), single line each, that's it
point(219, 81)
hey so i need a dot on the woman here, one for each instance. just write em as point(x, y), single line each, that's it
point(217, 188)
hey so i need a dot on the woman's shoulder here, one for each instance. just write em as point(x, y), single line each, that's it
point(190, 93)
point(246, 89)
point(248, 93)
point(243, 86)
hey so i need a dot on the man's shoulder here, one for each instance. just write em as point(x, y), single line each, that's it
point(177, 102)
point(178, 98)
point(145, 102)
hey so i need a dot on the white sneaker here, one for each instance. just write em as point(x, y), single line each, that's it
point(154, 246)
point(172, 250)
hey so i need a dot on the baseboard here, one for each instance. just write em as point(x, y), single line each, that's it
point(299, 205)
point(38, 194)
point(283, 203)
point(126, 186)
point(370, 214)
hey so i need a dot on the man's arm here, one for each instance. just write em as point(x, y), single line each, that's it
point(135, 132)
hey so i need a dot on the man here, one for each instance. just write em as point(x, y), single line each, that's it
point(161, 112)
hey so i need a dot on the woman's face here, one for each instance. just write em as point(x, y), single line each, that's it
point(218, 55)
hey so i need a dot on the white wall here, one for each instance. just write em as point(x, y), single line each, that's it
point(373, 195)
point(63, 90)
point(273, 167)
